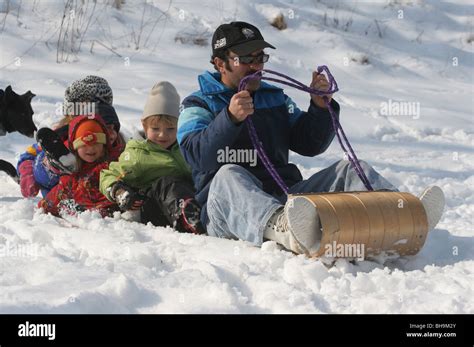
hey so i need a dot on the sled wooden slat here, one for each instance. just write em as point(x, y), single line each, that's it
point(406, 219)
point(331, 224)
point(360, 218)
point(391, 217)
point(420, 222)
point(346, 222)
point(375, 216)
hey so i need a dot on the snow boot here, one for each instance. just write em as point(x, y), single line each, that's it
point(57, 154)
point(433, 201)
point(296, 227)
point(189, 219)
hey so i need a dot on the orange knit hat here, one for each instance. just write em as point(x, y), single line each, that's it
point(89, 133)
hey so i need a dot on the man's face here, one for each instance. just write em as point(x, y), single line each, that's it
point(238, 70)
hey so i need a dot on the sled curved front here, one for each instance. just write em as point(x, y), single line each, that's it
point(370, 222)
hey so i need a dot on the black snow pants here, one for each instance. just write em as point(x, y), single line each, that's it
point(164, 198)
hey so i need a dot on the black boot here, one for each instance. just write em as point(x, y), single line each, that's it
point(189, 219)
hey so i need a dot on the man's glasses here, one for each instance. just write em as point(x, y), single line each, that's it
point(251, 59)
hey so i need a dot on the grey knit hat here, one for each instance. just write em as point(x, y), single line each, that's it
point(162, 100)
point(89, 89)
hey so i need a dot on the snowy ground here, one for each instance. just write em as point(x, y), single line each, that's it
point(90, 264)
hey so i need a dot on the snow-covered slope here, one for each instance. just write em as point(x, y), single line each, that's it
point(419, 52)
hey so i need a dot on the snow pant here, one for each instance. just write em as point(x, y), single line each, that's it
point(238, 208)
point(164, 199)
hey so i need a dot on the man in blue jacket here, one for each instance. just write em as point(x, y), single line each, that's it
point(239, 197)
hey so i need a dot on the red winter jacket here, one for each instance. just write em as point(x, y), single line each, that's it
point(80, 191)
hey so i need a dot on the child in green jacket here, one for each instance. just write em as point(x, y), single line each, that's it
point(151, 174)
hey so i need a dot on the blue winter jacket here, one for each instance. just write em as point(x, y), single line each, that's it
point(45, 178)
point(204, 128)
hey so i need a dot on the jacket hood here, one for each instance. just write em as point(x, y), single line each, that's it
point(76, 121)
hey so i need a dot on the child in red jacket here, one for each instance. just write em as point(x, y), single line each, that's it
point(88, 140)
point(36, 172)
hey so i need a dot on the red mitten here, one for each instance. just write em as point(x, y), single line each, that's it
point(28, 185)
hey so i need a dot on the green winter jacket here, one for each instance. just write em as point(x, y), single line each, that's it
point(142, 163)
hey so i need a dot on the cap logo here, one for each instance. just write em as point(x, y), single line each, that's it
point(248, 33)
point(220, 43)
point(89, 138)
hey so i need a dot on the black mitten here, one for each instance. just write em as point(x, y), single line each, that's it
point(126, 197)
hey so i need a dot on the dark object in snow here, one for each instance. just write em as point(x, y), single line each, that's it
point(57, 153)
point(279, 22)
point(16, 113)
point(10, 170)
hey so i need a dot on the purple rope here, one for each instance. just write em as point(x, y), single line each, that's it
point(264, 158)
point(335, 123)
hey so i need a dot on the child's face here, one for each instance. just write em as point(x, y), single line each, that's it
point(112, 133)
point(161, 133)
point(91, 153)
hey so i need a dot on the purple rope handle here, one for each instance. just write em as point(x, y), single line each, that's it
point(335, 123)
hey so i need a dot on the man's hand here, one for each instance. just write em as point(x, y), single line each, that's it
point(320, 83)
point(240, 107)
point(126, 197)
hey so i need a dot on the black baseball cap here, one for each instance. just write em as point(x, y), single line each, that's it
point(241, 37)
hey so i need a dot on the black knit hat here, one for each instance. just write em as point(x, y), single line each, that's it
point(89, 89)
point(240, 37)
